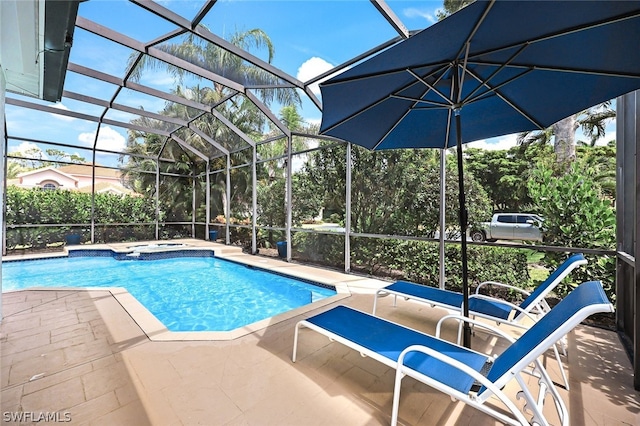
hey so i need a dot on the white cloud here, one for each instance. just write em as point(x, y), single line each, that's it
point(495, 144)
point(108, 139)
point(311, 68)
point(413, 12)
point(158, 79)
point(60, 106)
point(24, 148)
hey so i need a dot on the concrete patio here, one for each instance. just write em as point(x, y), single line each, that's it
point(79, 355)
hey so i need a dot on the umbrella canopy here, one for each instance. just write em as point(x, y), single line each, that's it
point(493, 68)
point(521, 66)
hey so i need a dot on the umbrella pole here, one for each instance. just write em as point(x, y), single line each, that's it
point(466, 338)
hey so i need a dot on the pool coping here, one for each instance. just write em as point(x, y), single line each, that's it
point(343, 283)
point(155, 330)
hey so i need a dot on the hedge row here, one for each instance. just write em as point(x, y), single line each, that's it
point(37, 206)
point(415, 261)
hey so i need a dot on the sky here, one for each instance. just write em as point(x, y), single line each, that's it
point(309, 36)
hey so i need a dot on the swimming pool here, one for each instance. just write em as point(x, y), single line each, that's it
point(184, 293)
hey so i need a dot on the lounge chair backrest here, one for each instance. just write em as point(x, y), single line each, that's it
point(552, 281)
point(588, 298)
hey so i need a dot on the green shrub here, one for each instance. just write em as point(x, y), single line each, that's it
point(577, 214)
point(416, 261)
point(323, 249)
point(37, 206)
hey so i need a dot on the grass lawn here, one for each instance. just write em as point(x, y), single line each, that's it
point(537, 273)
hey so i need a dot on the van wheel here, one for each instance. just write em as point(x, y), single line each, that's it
point(477, 236)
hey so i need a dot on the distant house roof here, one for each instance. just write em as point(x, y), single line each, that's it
point(84, 169)
point(107, 180)
point(53, 169)
point(72, 170)
point(101, 187)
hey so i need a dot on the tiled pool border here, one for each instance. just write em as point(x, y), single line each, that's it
point(154, 328)
point(155, 254)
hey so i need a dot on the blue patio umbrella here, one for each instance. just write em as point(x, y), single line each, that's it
point(493, 68)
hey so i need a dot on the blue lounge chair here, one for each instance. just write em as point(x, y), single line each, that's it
point(453, 369)
point(487, 307)
point(484, 306)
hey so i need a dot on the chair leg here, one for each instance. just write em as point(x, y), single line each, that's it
point(460, 326)
point(295, 343)
point(532, 404)
point(396, 396)
point(561, 367)
point(564, 345)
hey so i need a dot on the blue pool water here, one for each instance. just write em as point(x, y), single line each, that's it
point(185, 294)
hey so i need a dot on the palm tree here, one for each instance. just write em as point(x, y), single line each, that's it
point(290, 116)
point(139, 173)
point(451, 6)
point(592, 121)
point(238, 109)
point(208, 56)
point(272, 175)
point(14, 168)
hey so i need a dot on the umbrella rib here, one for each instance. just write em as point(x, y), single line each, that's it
point(337, 80)
point(506, 100)
point(448, 106)
point(379, 101)
point(446, 138)
point(424, 101)
point(355, 114)
point(476, 27)
point(430, 86)
point(458, 99)
point(490, 90)
point(565, 32)
point(500, 68)
point(562, 69)
point(604, 22)
point(396, 124)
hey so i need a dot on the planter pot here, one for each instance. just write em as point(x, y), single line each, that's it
point(213, 235)
point(282, 248)
point(72, 239)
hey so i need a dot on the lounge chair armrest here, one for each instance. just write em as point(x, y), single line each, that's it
point(499, 284)
point(490, 387)
point(402, 369)
point(473, 321)
point(511, 305)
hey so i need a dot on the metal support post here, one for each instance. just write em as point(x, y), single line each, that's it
point(157, 199)
point(288, 196)
point(254, 202)
point(443, 225)
point(347, 213)
point(227, 213)
point(193, 205)
point(207, 199)
point(3, 173)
